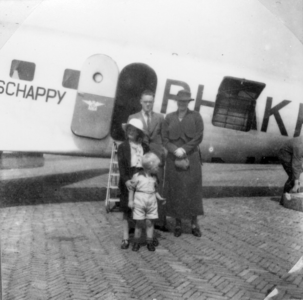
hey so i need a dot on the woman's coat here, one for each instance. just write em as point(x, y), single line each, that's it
point(183, 188)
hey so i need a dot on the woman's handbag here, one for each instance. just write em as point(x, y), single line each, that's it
point(182, 163)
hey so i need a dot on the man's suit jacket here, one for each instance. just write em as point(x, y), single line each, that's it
point(154, 136)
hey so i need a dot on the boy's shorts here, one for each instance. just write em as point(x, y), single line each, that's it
point(145, 207)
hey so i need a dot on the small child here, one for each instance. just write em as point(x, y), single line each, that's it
point(143, 200)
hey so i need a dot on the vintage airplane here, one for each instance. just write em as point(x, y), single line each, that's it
point(72, 71)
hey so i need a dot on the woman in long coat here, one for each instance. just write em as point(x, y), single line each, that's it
point(182, 133)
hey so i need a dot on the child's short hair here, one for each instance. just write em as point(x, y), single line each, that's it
point(149, 160)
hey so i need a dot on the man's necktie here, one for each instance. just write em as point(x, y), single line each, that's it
point(148, 122)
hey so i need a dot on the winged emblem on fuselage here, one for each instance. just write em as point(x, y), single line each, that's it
point(92, 104)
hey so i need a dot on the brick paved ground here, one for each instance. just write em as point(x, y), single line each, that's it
point(59, 243)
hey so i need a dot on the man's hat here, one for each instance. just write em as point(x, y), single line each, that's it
point(184, 96)
point(135, 123)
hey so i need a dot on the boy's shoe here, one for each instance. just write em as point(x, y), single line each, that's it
point(125, 244)
point(196, 232)
point(136, 247)
point(155, 242)
point(150, 246)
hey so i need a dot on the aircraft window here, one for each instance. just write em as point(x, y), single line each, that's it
point(236, 102)
point(22, 70)
point(71, 79)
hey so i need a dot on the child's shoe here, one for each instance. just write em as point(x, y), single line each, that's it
point(150, 246)
point(155, 242)
point(125, 244)
point(196, 232)
point(136, 247)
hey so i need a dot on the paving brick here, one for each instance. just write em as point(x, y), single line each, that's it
point(52, 249)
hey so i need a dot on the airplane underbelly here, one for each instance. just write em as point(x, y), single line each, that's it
point(223, 145)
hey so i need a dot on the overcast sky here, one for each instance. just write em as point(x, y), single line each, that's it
point(290, 12)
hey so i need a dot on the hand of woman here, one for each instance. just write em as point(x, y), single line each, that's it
point(180, 152)
point(160, 198)
point(129, 184)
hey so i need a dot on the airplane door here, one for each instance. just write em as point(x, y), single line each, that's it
point(95, 97)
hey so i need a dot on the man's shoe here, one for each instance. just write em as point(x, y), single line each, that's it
point(125, 244)
point(155, 242)
point(150, 246)
point(161, 228)
point(136, 247)
point(196, 232)
point(177, 232)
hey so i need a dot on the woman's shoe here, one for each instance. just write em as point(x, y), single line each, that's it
point(196, 232)
point(136, 247)
point(125, 244)
point(131, 231)
point(150, 246)
point(177, 232)
point(155, 242)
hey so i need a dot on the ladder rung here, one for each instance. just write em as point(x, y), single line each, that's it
point(113, 178)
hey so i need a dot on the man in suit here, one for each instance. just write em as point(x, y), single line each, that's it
point(152, 125)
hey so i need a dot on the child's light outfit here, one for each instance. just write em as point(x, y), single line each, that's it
point(136, 152)
point(145, 201)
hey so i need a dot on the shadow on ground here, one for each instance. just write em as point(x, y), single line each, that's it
point(50, 189)
point(241, 191)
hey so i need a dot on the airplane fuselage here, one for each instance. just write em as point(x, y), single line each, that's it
point(38, 103)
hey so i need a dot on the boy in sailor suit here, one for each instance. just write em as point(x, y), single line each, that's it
point(143, 199)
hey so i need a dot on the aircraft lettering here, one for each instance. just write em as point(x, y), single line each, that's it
point(167, 96)
point(299, 121)
point(7, 86)
point(48, 96)
point(20, 90)
point(25, 91)
point(38, 92)
point(275, 112)
point(30, 93)
point(200, 101)
point(61, 98)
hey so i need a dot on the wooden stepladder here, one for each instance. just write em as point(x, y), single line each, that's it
point(112, 193)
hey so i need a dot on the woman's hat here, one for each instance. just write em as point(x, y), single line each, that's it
point(135, 123)
point(184, 96)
